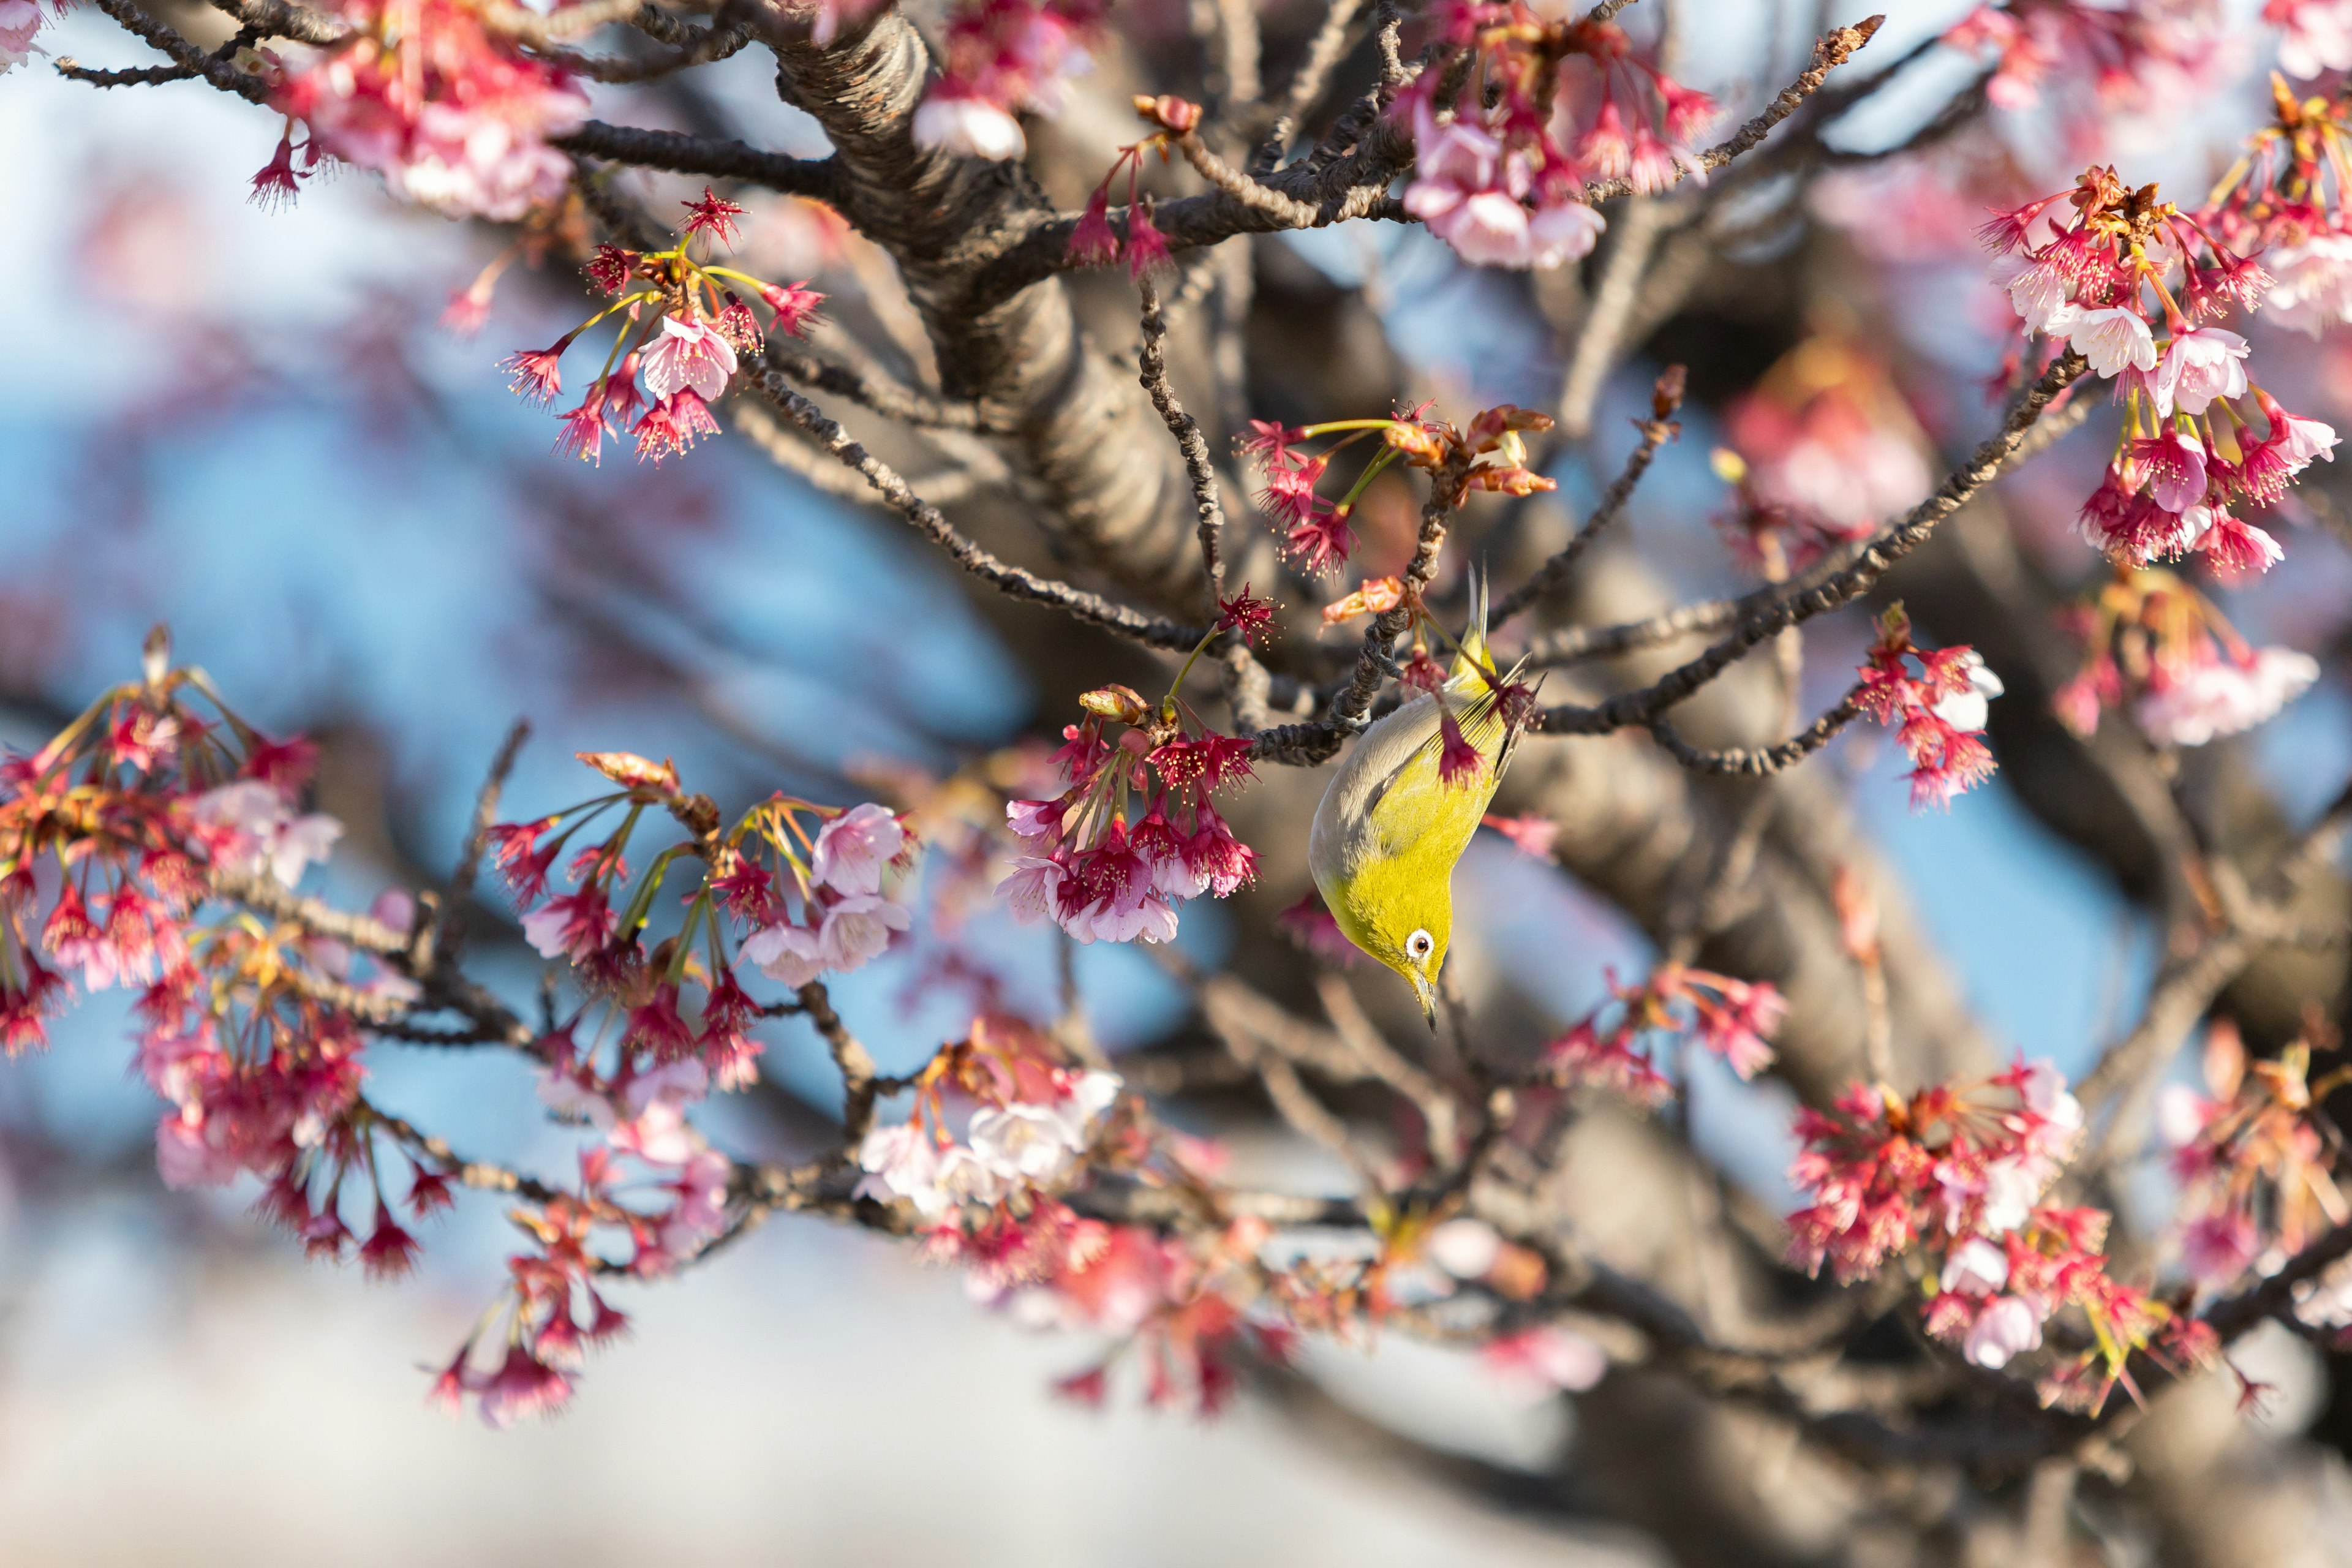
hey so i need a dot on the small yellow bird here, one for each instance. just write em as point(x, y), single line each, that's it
point(1391, 827)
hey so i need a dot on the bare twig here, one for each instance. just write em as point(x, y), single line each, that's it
point(1656, 431)
point(1015, 580)
point(1829, 52)
point(1758, 762)
point(706, 155)
point(1152, 370)
point(1873, 561)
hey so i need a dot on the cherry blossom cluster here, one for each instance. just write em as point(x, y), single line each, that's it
point(1937, 714)
point(1004, 55)
point(1134, 833)
point(1822, 450)
point(1003, 1126)
point(1499, 171)
point(1616, 1046)
point(2255, 1166)
point(521, 1358)
point(21, 22)
point(682, 323)
point(1094, 242)
point(2197, 436)
point(2285, 200)
point(1491, 455)
point(2136, 56)
point(2155, 647)
point(804, 881)
point(1959, 1171)
point(1182, 1311)
point(117, 839)
point(2315, 35)
point(426, 95)
point(1030, 1123)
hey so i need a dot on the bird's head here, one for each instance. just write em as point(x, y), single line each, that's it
point(1408, 931)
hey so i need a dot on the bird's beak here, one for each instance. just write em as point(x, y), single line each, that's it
point(1428, 999)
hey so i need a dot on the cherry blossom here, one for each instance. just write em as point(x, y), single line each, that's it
point(1938, 716)
point(426, 96)
point(1002, 55)
point(249, 827)
point(853, 849)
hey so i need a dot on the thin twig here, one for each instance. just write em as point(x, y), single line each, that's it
point(1152, 371)
point(1665, 398)
point(707, 155)
point(1873, 561)
point(1760, 762)
point(1828, 53)
point(885, 396)
point(1015, 580)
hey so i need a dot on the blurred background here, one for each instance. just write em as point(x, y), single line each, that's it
point(254, 426)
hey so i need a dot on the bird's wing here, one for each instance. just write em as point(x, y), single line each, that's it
point(1398, 755)
point(1343, 831)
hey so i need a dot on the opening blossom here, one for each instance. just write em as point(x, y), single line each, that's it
point(1938, 715)
point(450, 115)
point(684, 326)
point(2198, 436)
point(1501, 178)
point(1004, 55)
point(1093, 866)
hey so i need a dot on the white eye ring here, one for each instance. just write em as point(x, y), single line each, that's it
point(1418, 945)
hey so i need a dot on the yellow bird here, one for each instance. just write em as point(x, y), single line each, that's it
point(1390, 827)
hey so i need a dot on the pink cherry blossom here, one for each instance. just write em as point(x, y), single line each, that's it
point(2007, 1328)
point(251, 829)
point(2111, 339)
point(2198, 366)
point(1975, 1268)
point(2196, 705)
point(687, 354)
point(853, 849)
point(968, 125)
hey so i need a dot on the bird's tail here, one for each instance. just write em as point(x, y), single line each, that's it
point(1474, 667)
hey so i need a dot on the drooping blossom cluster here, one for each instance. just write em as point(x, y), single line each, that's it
point(682, 323)
point(2157, 647)
point(1134, 833)
point(1186, 1313)
point(1490, 454)
point(1004, 55)
point(1094, 242)
point(2285, 200)
point(1499, 172)
point(1939, 714)
point(804, 881)
point(120, 841)
point(2139, 56)
point(2315, 35)
point(1822, 450)
point(1030, 1121)
point(2197, 436)
point(1959, 1171)
point(2254, 1167)
point(425, 94)
point(1004, 1124)
point(21, 22)
point(1617, 1045)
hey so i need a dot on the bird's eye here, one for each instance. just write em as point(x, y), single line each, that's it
point(1418, 944)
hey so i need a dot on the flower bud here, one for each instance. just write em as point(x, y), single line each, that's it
point(1119, 702)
